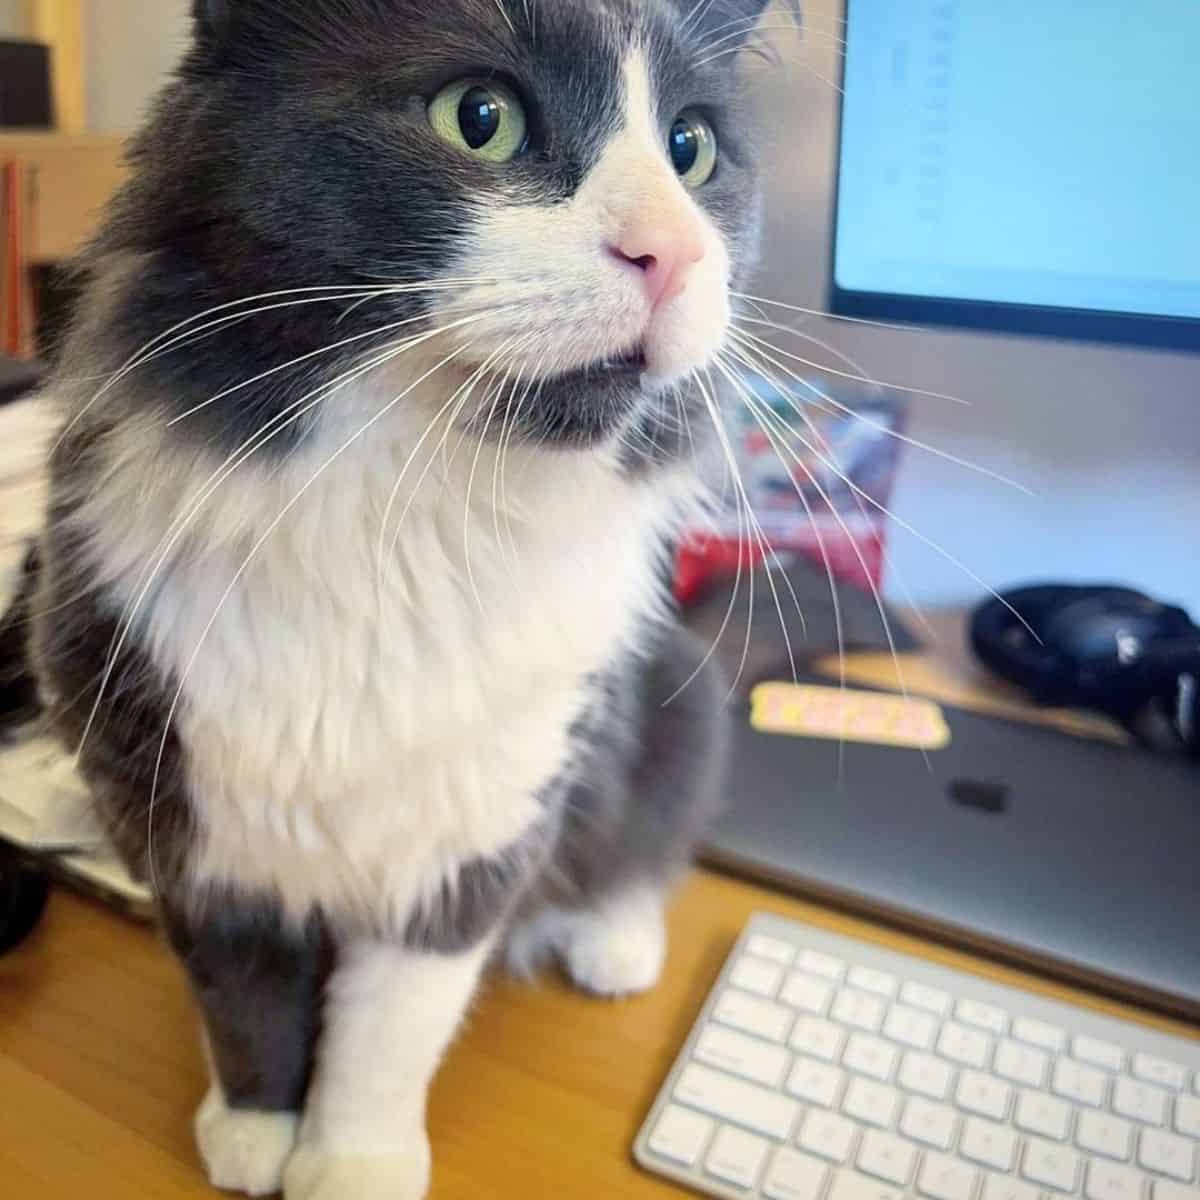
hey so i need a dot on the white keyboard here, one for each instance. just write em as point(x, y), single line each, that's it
point(824, 1068)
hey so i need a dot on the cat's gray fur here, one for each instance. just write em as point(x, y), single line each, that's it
point(291, 153)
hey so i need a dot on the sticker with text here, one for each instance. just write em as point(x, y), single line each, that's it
point(875, 718)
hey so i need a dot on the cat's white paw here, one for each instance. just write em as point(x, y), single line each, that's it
point(620, 949)
point(315, 1173)
point(243, 1150)
point(614, 949)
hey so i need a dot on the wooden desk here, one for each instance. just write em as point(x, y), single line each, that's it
point(100, 1066)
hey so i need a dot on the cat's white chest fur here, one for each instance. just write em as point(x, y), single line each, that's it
point(351, 735)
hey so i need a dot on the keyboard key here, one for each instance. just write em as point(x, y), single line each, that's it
point(681, 1135)
point(1040, 1034)
point(1098, 1053)
point(740, 1055)
point(945, 1178)
point(963, 1045)
point(1051, 1165)
point(1077, 1082)
point(850, 1185)
point(1167, 1154)
point(988, 1143)
point(1159, 1070)
point(873, 1103)
point(858, 1009)
point(869, 1055)
point(931, 999)
point(828, 1135)
point(1107, 1181)
point(737, 1157)
point(817, 1037)
point(910, 1027)
point(870, 980)
point(757, 975)
point(1004, 1187)
point(759, 1017)
point(746, 1104)
point(982, 1094)
point(1142, 1101)
point(926, 1075)
point(1021, 1064)
point(772, 948)
point(1100, 1133)
point(794, 1176)
point(1172, 1191)
point(1187, 1116)
point(886, 1157)
point(807, 992)
point(983, 1016)
point(1039, 1113)
point(928, 1123)
point(824, 965)
point(816, 1082)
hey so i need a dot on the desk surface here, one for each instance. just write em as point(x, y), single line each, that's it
point(100, 1065)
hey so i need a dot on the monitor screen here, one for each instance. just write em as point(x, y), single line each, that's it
point(1032, 165)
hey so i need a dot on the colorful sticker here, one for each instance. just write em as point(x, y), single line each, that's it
point(875, 718)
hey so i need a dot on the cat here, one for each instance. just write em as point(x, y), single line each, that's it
point(354, 589)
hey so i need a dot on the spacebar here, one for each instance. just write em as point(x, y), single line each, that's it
point(744, 1104)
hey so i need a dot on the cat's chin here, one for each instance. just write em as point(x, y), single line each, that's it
point(579, 408)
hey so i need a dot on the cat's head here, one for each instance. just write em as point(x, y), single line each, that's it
point(569, 185)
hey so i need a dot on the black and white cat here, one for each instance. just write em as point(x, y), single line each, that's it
point(353, 588)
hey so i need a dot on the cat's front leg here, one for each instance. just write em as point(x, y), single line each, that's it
point(257, 979)
point(390, 1013)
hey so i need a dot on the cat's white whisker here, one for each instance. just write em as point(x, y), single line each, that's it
point(500, 500)
point(765, 416)
point(457, 402)
point(283, 420)
point(294, 362)
point(762, 348)
point(941, 551)
point(714, 414)
point(245, 566)
point(182, 331)
point(883, 383)
point(826, 559)
point(755, 27)
point(482, 435)
point(749, 356)
point(822, 315)
point(696, 15)
point(504, 13)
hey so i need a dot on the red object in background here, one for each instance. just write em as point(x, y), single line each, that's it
point(16, 300)
point(819, 485)
point(701, 560)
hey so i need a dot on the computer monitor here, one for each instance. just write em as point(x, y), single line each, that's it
point(1031, 166)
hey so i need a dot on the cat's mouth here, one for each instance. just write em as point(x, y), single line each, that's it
point(628, 365)
point(631, 362)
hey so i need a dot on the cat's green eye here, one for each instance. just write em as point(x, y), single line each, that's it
point(693, 148)
point(481, 117)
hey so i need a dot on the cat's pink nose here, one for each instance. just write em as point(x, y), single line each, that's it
point(663, 256)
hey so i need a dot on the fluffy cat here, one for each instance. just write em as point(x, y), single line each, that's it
point(354, 583)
